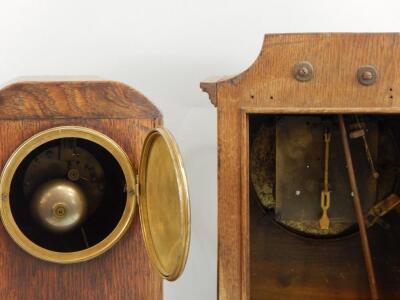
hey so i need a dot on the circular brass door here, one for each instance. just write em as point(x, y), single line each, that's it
point(164, 204)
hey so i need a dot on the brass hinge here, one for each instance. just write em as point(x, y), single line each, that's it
point(4, 197)
point(137, 187)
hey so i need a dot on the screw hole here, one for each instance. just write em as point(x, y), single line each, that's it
point(390, 89)
point(272, 97)
point(391, 97)
point(252, 96)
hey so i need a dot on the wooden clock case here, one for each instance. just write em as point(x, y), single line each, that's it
point(256, 258)
point(31, 106)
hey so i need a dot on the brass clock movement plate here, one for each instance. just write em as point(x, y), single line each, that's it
point(164, 204)
point(287, 170)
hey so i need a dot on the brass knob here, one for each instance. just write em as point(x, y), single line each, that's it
point(59, 205)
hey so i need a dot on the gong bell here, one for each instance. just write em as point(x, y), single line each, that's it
point(59, 205)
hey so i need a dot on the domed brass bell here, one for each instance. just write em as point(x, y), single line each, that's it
point(59, 205)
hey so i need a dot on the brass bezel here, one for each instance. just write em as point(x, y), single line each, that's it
point(183, 197)
point(32, 143)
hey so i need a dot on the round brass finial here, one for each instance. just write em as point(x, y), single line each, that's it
point(59, 205)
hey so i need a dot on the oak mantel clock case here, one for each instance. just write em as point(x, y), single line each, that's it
point(308, 177)
point(78, 158)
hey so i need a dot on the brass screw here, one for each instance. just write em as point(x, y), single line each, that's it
point(73, 175)
point(367, 75)
point(59, 210)
point(303, 72)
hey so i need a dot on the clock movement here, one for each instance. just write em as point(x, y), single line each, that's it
point(78, 158)
point(308, 178)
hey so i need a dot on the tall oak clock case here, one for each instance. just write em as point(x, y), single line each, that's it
point(81, 160)
point(270, 244)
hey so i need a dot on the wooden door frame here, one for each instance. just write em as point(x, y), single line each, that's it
point(244, 147)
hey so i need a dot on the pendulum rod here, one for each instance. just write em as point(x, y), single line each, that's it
point(325, 194)
point(358, 210)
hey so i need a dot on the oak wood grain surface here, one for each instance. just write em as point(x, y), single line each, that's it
point(123, 272)
point(74, 99)
point(268, 86)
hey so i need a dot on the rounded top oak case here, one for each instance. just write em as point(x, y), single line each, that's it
point(69, 191)
point(70, 97)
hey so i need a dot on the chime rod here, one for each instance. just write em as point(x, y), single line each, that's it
point(358, 210)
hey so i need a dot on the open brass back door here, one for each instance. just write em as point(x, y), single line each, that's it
point(164, 204)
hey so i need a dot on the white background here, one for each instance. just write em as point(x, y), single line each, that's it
point(164, 49)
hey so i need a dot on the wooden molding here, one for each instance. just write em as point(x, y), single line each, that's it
point(210, 87)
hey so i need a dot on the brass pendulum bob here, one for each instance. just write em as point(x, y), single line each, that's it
point(59, 205)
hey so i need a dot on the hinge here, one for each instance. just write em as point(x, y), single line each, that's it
point(137, 187)
point(4, 197)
